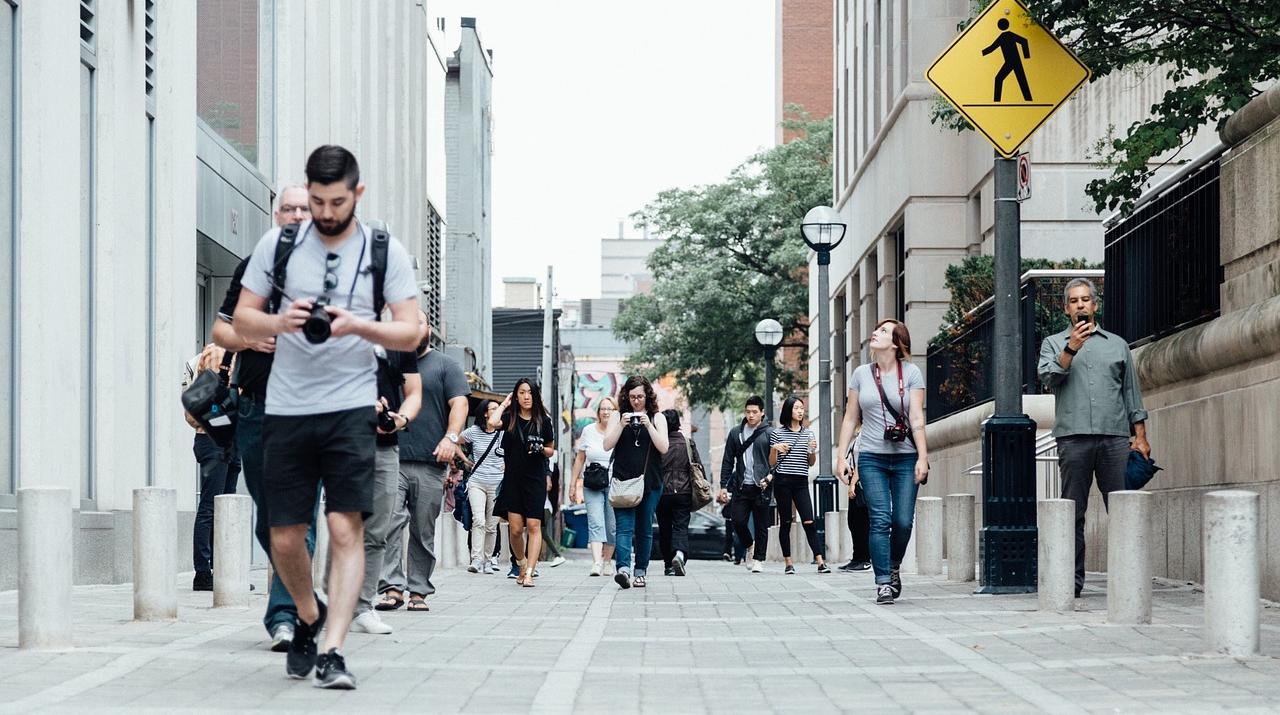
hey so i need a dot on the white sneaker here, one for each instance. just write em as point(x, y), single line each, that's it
point(608, 569)
point(597, 568)
point(757, 566)
point(369, 622)
point(492, 565)
point(476, 566)
point(556, 561)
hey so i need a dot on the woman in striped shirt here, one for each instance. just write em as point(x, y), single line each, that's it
point(792, 450)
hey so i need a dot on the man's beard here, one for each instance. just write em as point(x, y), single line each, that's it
point(340, 226)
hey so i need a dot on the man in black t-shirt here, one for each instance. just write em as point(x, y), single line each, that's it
point(400, 398)
point(253, 367)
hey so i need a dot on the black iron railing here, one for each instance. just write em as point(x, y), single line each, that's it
point(961, 371)
point(1163, 262)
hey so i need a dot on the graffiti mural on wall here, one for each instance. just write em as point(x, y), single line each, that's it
point(591, 387)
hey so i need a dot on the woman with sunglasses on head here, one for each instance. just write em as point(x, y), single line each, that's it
point(594, 458)
point(638, 438)
point(528, 440)
point(887, 399)
point(792, 450)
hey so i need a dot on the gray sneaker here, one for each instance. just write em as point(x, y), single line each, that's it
point(332, 673)
point(281, 637)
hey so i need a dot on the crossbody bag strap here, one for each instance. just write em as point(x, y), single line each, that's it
point(496, 436)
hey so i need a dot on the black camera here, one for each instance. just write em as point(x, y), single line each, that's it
point(319, 326)
point(533, 443)
point(635, 421)
point(896, 432)
point(386, 422)
point(1082, 318)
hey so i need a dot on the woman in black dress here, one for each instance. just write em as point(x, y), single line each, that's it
point(638, 438)
point(528, 440)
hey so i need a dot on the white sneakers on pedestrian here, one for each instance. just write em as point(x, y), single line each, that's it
point(281, 637)
point(757, 566)
point(556, 561)
point(597, 568)
point(608, 569)
point(370, 622)
point(492, 565)
point(476, 566)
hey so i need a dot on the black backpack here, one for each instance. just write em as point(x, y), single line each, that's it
point(288, 240)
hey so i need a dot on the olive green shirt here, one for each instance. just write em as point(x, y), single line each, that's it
point(1099, 393)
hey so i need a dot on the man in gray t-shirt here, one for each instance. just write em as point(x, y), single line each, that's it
point(320, 420)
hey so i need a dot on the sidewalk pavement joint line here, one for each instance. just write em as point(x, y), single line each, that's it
point(560, 687)
point(1017, 685)
point(117, 668)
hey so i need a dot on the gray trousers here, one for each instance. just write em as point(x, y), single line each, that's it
point(418, 502)
point(1080, 458)
point(377, 528)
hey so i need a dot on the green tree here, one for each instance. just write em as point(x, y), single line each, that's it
point(1219, 54)
point(732, 256)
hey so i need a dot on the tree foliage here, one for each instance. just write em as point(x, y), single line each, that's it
point(732, 256)
point(1218, 54)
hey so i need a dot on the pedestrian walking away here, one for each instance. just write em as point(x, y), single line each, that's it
point(319, 290)
point(793, 449)
point(1098, 409)
point(886, 400)
point(253, 367)
point(427, 449)
point(676, 502)
point(859, 521)
point(743, 473)
point(482, 486)
point(638, 438)
point(592, 467)
point(528, 441)
point(399, 400)
point(219, 470)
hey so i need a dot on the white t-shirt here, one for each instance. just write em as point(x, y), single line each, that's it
point(491, 469)
point(591, 442)
point(338, 374)
point(875, 416)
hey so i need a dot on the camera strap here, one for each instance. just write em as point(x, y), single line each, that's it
point(885, 404)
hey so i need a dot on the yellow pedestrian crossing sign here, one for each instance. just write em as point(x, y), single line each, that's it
point(1006, 74)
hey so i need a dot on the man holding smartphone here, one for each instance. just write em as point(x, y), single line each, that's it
point(1098, 408)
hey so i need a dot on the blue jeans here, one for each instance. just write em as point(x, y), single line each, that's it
point(889, 482)
point(280, 608)
point(635, 527)
point(219, 470)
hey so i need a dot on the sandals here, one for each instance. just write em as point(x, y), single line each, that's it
point(390, 603)
point(417, 603)
point(526, 577)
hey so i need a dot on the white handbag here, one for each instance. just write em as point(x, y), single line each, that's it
point(628, 493)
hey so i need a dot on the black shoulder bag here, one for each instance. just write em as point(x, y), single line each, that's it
point(212, 403)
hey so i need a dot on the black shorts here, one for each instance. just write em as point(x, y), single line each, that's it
point(301, 452)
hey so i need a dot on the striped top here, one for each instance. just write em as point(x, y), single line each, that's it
point(795, 462)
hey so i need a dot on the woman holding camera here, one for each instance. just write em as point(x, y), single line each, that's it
point(638, 439)
point(528, 439)
point(887, 399)
point(591, 486)
point(792, 450)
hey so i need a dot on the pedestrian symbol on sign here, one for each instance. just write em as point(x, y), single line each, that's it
point(1008, 43)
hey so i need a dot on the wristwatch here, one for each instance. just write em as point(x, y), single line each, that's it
point(1067, 349)
point(452, 437)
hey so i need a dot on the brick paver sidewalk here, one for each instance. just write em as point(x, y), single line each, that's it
point(719, 640)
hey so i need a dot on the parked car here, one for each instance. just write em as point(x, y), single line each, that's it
point(706, 537)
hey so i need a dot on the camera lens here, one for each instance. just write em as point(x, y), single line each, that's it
point(318, 327)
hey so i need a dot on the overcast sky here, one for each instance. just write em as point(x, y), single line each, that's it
point(599, 105)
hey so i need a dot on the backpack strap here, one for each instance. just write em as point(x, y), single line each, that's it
point(378, 265)
point(285, 243)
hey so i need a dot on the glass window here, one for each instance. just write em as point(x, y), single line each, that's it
point(8, 225)
point(227, 71)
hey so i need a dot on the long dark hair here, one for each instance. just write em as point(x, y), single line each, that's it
point(513, 411)
point(650, 399)
point(482, 413)
point(788, 407)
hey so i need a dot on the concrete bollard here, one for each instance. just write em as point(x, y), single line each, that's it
point(464, 553)
point(1056, 554)
point(232, 550)
point(155, 554)
point(45, 560)
point(833, 525)
point(773, 547)
point(1129, 558)
point(846, 536)
point(961, 537)
point(1232, 611)
point(928, 535)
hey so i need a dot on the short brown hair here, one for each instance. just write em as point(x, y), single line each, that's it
point(901, 337)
